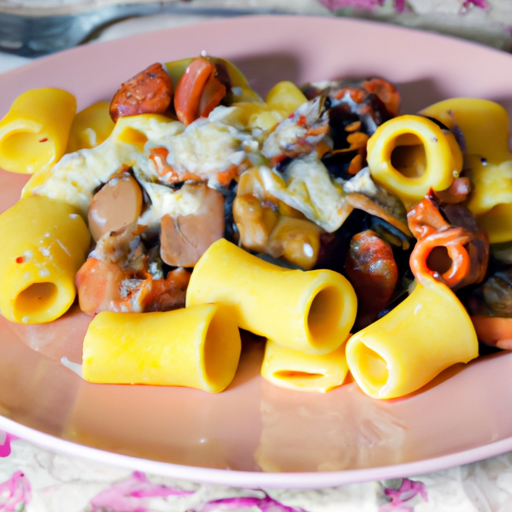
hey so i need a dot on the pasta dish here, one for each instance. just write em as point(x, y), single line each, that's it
point(350, 237)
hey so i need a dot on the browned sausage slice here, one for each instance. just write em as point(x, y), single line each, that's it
point(149, 92)
point(185, 238)
point(198, 91)
point(371, 268)
point(117, 204)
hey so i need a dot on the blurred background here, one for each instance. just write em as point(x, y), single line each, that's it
point(32, 28)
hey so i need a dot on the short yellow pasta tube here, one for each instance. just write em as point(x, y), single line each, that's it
point(196, 347)
point(483, 123)
point(497, 222)
point(409, 155)
point(404, 350)
point(297, 370)
point(35, 131)
point(283, 99)
point(90, 127)
point(485, 127)
point(309, 311)
point(45, 243)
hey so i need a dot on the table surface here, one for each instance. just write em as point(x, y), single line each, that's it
point(35, 480)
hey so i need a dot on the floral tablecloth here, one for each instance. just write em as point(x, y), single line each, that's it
point(33, 479)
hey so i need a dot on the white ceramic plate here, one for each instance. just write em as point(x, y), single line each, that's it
point(254, 434)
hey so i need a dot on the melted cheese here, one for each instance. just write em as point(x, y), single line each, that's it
point(204, 148)
point(201, 150)
point(77, 175)
point(307, 186)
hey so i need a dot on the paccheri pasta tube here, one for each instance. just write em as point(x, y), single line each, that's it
point(45, 243)
point(297, 370)
point(484, 125)
point(404, 350)
point(35, 131)
point(309, 311)
point(409, 155)
point(197, 347)
point(90, 127)
point(281, 101)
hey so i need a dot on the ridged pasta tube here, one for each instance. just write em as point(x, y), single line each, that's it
point(309, 311)
point(197, 347)
point(297, 370)
point(35, 131)
point(404, 350)
point(409, 155)
point(45, 243)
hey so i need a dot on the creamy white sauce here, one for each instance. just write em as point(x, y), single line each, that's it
point(307, 186)
point(204, 148)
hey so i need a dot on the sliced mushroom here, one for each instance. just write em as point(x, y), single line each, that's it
point(116, 205)
point(254, 221)
point(185, 238)
point(296, 240)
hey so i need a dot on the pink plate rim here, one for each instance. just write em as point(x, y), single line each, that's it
point(249, 479)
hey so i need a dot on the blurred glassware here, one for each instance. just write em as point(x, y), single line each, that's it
point(33, 29)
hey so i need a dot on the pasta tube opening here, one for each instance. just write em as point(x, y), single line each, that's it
point(409, 157)
point(34, 133)
point(302, 381)
point(404, 350)
point(35, 299)
point(372, 365)
point(296, 375)
point(324, 315)
point(294, 369)
point(220, 337)
point(48, 242)
point(15, 146)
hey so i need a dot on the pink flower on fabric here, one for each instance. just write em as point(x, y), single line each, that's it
point(362, 5)
point(365, 5)
point(5, 443)
point(15, 493)
point(265, 504)
point(477, 3)
point(398, 497)
point(129, 495)
point(399, 5)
